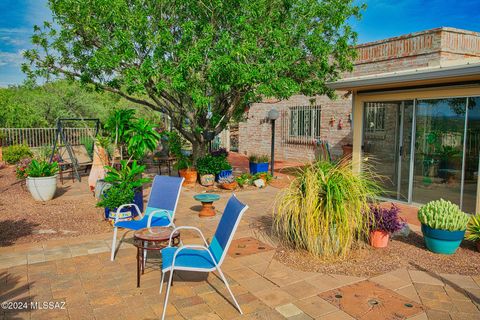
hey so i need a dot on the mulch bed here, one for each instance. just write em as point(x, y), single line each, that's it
point(71, 213)
point(403, 252)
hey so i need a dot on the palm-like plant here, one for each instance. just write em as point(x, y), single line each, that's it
point(127, 176)
point(142, 137)
point(119, 122)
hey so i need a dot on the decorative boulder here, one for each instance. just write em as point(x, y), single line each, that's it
point(259, 183)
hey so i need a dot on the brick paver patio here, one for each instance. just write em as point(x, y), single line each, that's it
point(79, 273)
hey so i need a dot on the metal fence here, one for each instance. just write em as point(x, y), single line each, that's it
point(38, 137)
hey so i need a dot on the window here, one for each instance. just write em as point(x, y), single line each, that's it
point(305, 121)
point(375, 117)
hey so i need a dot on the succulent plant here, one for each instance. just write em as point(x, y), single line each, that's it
point(443, 215)
point(227, 179)
point(473, 228)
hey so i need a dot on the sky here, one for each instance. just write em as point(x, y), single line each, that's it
point(382, 19)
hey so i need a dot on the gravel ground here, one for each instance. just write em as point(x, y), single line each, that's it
point(71, 213)
point(409, 252)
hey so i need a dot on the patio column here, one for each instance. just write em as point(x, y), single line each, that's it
point(357, 132)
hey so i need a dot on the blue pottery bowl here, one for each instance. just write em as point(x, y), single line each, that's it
point(442, 241)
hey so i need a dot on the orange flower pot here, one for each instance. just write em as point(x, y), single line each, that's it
point(379, 239)
point(189, 174)
point(229, 186)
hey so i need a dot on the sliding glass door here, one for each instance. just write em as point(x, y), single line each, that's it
point(386, 142)
point(472, 146)
point(440, 125)
point(446, 142)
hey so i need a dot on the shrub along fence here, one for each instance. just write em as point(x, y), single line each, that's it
point(38, 137)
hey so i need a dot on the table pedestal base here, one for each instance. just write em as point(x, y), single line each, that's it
point(208, 210)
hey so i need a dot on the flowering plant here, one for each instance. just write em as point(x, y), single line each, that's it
point(21, 167)
point(385, 219)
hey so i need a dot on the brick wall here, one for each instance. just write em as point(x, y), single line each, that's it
point(255, 133)
point(411, 51)
point(416, 50)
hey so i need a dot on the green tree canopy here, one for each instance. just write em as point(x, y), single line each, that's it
point(200, 62)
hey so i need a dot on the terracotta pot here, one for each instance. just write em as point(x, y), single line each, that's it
point(189, 174)
point(229, 186)
point(347, 150)
point(207, 180)
point(379, 239)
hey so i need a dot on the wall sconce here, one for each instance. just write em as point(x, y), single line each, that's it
point(332, 121)
point(340, 124)
point(349, 118)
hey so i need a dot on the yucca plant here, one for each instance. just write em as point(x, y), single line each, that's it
point(326, 208)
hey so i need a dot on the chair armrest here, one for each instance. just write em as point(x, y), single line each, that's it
point(187, 228)
point(193, 246)
point(151, 214)
point(127, 205)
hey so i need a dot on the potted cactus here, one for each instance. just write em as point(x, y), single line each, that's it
point(443, 226)
point(383, 222)
point(473, 230)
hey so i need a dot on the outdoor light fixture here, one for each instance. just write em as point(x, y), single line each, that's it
point(273, 115)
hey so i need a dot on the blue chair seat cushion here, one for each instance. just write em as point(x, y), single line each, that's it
point(160, 221)
point(187, 259)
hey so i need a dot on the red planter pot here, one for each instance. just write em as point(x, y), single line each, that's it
point(379, 239)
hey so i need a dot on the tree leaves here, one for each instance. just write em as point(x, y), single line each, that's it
point(180, 56)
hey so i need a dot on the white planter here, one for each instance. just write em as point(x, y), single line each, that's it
point(43, 188)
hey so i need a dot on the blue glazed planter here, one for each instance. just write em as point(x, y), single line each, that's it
point(137, 199)
point(258, 167)
point(442, 241)
point(223, 174)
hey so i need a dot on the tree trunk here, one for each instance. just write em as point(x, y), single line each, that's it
point(199, 149)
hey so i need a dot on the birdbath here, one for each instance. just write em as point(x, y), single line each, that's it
point(207, 199)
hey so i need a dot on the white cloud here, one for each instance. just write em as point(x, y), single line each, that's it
point(11, 58)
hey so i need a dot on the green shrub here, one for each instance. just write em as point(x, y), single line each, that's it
point(115, 196)
point(212, 164)
point(263, 158)
point(443, 215)
point(473, 228)
point(15, 153)
point(37, 169)
point(326, 208)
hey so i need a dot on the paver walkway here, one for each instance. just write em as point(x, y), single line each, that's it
point(78, 273)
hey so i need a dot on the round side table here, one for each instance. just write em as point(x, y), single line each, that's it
point(153, 238)
point(207, 200)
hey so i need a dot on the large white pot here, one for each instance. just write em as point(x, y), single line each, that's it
point(42, 188)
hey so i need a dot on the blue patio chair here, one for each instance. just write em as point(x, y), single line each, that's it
point(207, 257)
point(160, 211)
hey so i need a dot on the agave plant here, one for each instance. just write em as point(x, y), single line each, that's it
point(473, 228)
point(326, 208)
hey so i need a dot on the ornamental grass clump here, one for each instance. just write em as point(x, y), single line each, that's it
point(326, 208)
point(443, 215)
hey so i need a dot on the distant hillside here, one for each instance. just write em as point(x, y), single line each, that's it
point(41, 106)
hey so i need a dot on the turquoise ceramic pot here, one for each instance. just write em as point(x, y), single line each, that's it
point(442, 241)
